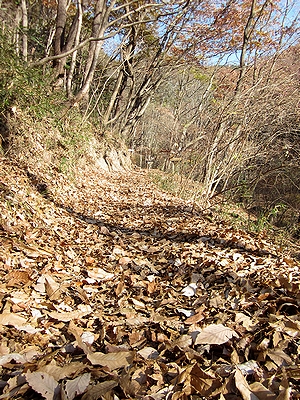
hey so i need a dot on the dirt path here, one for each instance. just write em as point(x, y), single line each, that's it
point(111, 289)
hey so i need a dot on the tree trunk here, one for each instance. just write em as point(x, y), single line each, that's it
point(248, 31)
point(126, 72)
point(246, 37)
point(16, 30)
point(102, 12)
point(74, 55)
point(61, 20)
point(24, 30)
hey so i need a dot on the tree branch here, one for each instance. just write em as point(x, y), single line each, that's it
point(45, 60)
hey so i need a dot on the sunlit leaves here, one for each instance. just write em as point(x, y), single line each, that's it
point(161, 303)
point(215, 334)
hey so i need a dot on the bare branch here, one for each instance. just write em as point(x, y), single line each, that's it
point(45, 60)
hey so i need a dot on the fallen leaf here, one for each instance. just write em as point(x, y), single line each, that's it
point(12, 319)
point(52, 288)
point(183, 341)
point(194, 378)
point(59, 372)
point(78, 334)
point(243, 386)
point(104, 230)
point(17, 278)
point(195, 318)
point(68, 316)
point(190, 290)
point(7, 358)
point(42, 383)
point(111, 360)
point(149, 353)
point(261, 391)
point(279, 357)
point(284, 389)
point(215, 334)
point(99, 389)
point(120, 287)
point(77, 386)
point(124, 261)
point(245, 321)
point(100, 274)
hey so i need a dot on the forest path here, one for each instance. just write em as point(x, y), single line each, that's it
point(113, 289)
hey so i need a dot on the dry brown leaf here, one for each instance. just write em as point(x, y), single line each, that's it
point(120, 287)
point(78, 332)
point(138, 304)
point(59, 372)
point(17, 278)
point(129, 385)
point(243, 386)
point(42, 383)
point(277, 337)
point(279, 357)
point(136, 337)
point(246, 321)
point(104, 230)
point(151, 287)
point(100, 274)
point(4, 350)
point(215, 334)
point(261, 391)
point(183, 341)
point(111, 360)
point(90, 260)
point(68, 316)
point(159, 264)
point(15, 386)
point(136, 321)
point(77, 386)
point(195, 318)
point(195, 379)
point(99, 389)
point(12, 319)
point(7, 358)
point(124, 261)
point(52, 288)
point(234, 357)
point(31, 251)
point(284, 389)
point(149, 353)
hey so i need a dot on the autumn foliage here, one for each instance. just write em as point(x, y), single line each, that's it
point(113, 289)
point(110, 287)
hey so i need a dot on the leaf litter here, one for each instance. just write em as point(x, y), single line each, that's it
point(111, 289)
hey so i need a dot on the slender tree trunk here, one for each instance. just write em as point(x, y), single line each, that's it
point(113, 99)
point(61, 20)
point(126, 72)
point(17, 27)
point(102, 12)
point(246, 38)
point(248, 31)
point(100, 8)
point(24, 30)
point(74, 55)
point(49, 41)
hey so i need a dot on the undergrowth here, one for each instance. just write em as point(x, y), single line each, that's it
point(224, 210)
point(36, 128)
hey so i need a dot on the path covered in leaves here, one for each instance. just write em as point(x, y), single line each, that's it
point(111, 289)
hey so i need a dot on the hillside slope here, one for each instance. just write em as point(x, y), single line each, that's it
point(111, 289)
